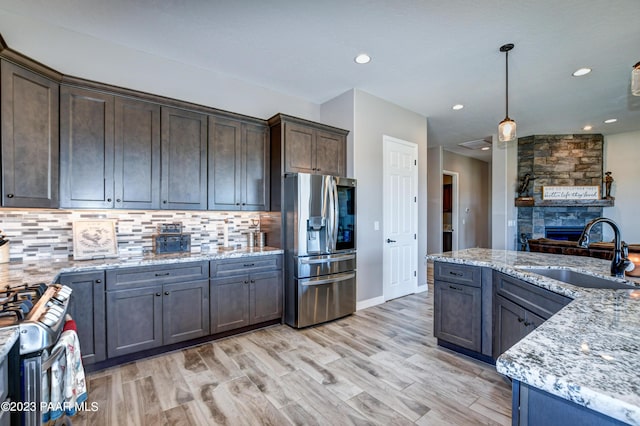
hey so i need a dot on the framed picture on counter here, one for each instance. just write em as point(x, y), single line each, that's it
point(94, 239)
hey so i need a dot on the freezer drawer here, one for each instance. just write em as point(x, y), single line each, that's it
point(321, 299)
point(313, 266)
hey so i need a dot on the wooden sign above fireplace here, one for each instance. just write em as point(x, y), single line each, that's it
point(571, 192)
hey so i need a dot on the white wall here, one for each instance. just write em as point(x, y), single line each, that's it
point(473, 199)
point(504, 214)
point(373, 118)
point(622, 159)
point(87, 57)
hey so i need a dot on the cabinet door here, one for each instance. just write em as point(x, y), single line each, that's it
point(330, 154)
point(184, 160)
point(458, 314)
point(185, 313)
point(510, 325)
point(255, 168)
point(266, 297)
point(134, 320)
point(225, 164)
point(86, 148)
point(299, 154)
point(86, 307)
point(137, 154)
point(29, 104)
point(229, 303)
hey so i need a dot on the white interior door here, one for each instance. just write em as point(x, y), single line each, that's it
point(400, 217)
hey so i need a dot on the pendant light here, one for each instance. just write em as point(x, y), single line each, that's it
point(507, 127)
point(635, 80)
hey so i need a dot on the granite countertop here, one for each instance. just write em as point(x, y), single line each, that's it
point(8, 337)
point(17, 273)
point(589, 352)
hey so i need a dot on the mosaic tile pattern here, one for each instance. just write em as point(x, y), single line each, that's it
point(47, 234)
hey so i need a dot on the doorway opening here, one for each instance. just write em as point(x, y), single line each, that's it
point(449, 210)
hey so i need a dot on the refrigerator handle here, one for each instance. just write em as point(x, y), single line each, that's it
point(335, 212)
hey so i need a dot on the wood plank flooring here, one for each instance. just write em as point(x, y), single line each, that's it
point(380, 366)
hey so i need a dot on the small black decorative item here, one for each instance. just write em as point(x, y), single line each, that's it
point(608, 180)
point(523, 190)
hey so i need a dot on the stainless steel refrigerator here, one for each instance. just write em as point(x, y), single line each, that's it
point(319, 225)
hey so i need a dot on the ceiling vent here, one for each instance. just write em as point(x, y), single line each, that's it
point(477, 144)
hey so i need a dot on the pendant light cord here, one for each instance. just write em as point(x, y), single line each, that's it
point(506, 96)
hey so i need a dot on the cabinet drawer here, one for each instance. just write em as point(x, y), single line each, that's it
point(538, 300)
point(125, 278)
point(456, 273)
point(244, 265)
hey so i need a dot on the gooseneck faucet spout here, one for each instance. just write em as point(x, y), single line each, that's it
point(619, 263)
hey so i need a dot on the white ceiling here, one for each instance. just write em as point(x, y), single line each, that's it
point(427, 55)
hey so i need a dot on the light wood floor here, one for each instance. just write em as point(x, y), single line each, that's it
point(378, 366)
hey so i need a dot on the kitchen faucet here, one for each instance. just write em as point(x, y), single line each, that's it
point(619, 263)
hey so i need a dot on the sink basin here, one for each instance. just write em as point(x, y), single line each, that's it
point(579, 279)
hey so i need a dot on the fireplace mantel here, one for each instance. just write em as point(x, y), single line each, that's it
point(565, 203)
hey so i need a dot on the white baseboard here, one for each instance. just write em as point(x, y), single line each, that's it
point(369, 303)
point(422, 288)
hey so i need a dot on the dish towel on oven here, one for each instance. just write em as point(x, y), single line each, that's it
point(67, 386)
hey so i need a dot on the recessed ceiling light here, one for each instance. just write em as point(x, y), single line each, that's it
point(362, 58)
point(485, 148)
point(457, 107)
point(580, 72)
point(587, 127)
point(611, 120)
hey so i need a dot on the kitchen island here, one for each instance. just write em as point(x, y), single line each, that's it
point(589, 352)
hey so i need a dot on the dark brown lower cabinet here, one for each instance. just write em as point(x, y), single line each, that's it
point(458, 314)
point(86, 307)
point(149, 317)
point(513, 322)
point(242, 300)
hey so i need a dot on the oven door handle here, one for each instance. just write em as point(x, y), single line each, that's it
point(46, 364)
point(333, 279)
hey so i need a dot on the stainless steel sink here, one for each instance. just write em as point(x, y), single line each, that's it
point(579, 279)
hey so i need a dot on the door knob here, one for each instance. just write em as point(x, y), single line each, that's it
point(389, 240)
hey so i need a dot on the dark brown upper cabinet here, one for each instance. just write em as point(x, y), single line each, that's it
point(184, 160)
point(137, 154)
point(238, 165)
point(86, 148)
point(110, 151)
point(29, 116)
point(307, 147)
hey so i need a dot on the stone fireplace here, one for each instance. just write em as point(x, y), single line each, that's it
point(560, 160)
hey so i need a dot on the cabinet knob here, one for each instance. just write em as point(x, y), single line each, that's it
point(253, 281)
point(108, 200)
point(237, 204)
point(527, 323)
point(9, 195)
point(244, 204)
point(98, 281)
point(164, 201)
point(166, 293)
point(158, 294)
point(521, 320)
point(118, 200)
point(246, 281)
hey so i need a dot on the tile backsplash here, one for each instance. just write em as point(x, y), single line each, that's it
point(47, 234)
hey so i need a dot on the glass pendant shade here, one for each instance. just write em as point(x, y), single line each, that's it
point(635, 80)
point(507, 130)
